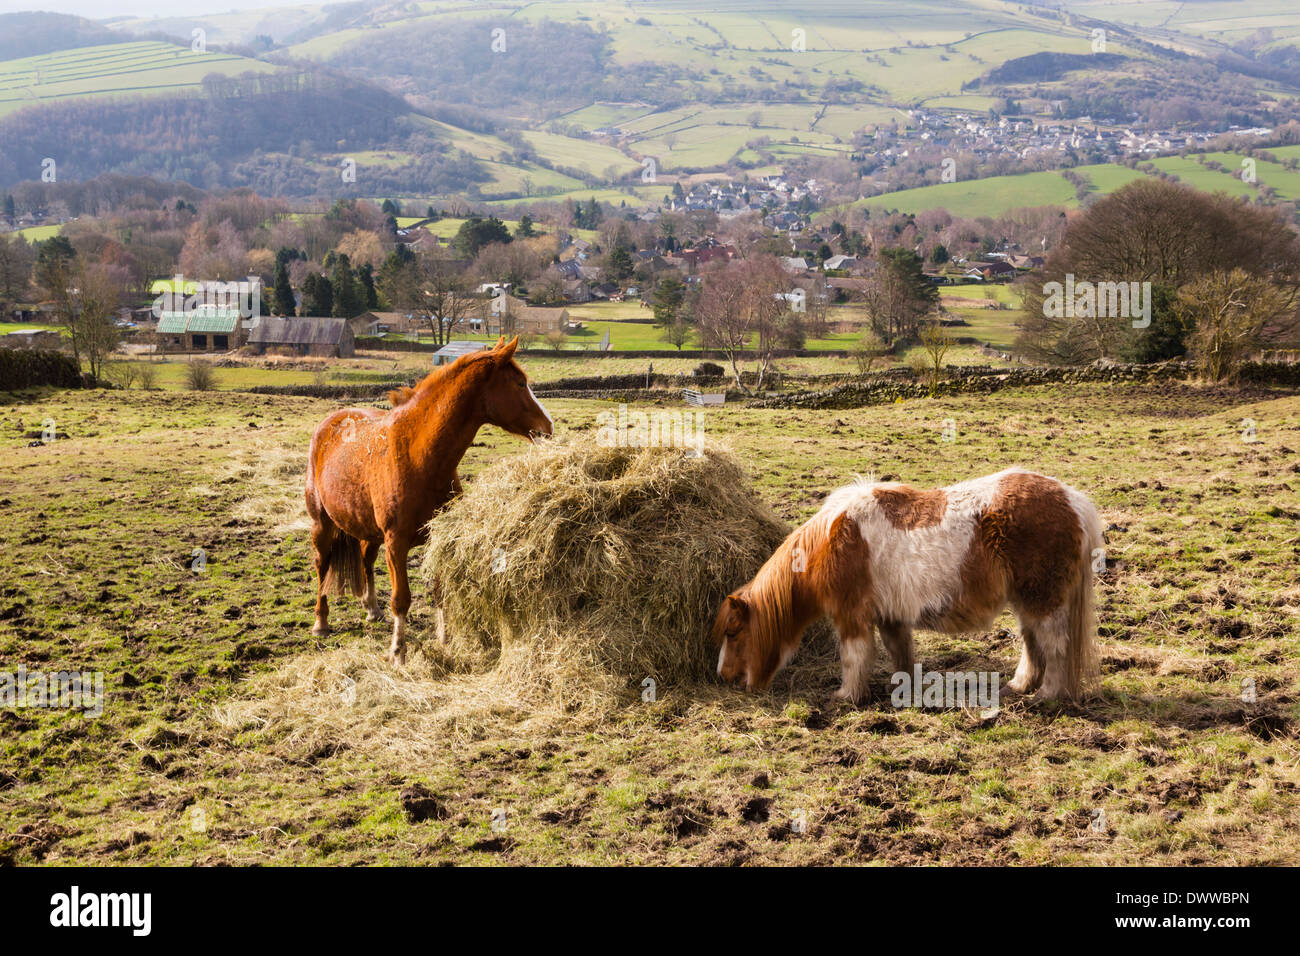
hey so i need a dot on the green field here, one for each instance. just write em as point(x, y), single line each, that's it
point(145, 66)
point(1224, 21)
point(591, 157)
point(998, 195)
point(979, 197)
point(38, 233)
point(1194, 174)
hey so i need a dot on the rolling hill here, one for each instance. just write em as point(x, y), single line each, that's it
point(517, 100)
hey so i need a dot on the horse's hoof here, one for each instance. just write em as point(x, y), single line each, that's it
point(320, 631)
point(372, 616)
point(397, 659)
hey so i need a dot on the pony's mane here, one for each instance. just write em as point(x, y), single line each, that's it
point(771, 594)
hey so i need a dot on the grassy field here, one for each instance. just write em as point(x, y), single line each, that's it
point(1225, 21)
point(146, 66)
point(39, 233)
point(1199, 594)
point(979, 197)
point(998, 195)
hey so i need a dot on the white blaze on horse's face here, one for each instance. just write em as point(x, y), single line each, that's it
point(729, 632)
point(513, 406)
point(541, 408)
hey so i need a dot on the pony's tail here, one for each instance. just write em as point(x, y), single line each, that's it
point(346, 572)
point(1082, 659)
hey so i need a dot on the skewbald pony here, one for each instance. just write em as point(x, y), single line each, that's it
point(889, 557)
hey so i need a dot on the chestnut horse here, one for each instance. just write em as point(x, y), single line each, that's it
point(891, 557)
point(377, 477)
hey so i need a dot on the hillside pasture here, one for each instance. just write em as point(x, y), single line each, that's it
point(230, 735)
point(141, 67)
point(979, 197)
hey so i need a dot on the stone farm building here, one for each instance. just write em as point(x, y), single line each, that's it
point(520, 317)
point(205, 329)
point(329, 338)
point(375, 323)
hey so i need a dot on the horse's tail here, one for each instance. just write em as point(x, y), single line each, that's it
point(1083, 660)
point(346, 571)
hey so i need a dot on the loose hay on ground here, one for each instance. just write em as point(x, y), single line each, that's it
point(573, 572)
point(569, 574)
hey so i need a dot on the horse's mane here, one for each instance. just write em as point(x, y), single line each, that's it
point(771, 594)
point(435, 379)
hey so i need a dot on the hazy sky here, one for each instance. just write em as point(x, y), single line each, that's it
point(102, 9)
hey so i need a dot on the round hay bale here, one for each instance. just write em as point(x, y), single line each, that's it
point(573, 571)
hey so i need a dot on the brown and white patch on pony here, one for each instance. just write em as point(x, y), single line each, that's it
point(908, 508)
point(1030, 525)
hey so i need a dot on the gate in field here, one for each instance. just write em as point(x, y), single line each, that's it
point(694, 396)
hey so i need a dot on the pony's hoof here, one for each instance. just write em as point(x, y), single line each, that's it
point(320, 630)
point(397, 658)
point(373, 616)
point(841, 698)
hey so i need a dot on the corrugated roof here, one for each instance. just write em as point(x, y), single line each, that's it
point(298, 331)
point(216, 321)
point(226, 321)
point(461, 348)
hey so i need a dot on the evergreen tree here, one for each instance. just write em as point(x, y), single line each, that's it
point(667, 300)
point(477, 232)
point(284, 303)
point(620, 262)
point(317, 295)
point(349, 295)
point(366, 274)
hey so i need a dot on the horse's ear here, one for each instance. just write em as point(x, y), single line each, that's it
point(739, 607)
point(508, 350)
point(500, 342)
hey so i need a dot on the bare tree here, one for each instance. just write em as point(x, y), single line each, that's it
point(936, 343)
point(16, 258)
point(1231, 314)
point(436, 289)
point(743, 304)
